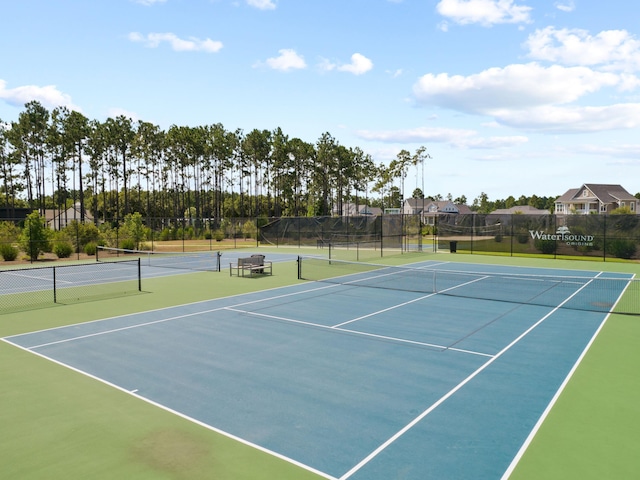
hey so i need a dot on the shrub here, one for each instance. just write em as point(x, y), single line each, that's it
point(128, 244)
point(166, 234)
point(79, 234)
point(91, 248)
point(219, 235)
point(249, 230)
point(546, 246)
point(498, 238)
point(63, 249)
point(35, 236)
point(9, 232)
point(622, 248)
point(134, 229)
point(8, 252)
point(522, 237)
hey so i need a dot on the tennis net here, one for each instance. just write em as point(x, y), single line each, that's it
point(356, 250)
point(599, 294)
point(36, 287)
point(200, 260)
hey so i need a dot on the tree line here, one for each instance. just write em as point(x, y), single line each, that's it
point(53, 159)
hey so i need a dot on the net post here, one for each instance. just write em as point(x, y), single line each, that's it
point(219, 260)
point(139, 276)
point(299, 261)
point(55, 293)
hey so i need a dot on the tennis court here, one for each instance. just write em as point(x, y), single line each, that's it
point(354, 379)
point(117, 272)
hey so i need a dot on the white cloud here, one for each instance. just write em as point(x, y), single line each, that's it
point(533, 97)
point(629, 152)
point(483, 12)
point(513, 87)
point(566, 6)
point(359, 65)
point(49, 96)
point(553, 119)
point(192, 44)
point(262, 4)
point(288, 59)
point(611, 49)
point(458, 138)
point(326, 65)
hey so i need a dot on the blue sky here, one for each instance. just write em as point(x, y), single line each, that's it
point(510, 97)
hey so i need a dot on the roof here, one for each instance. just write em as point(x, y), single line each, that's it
point(603, 192)
point(524, 209)
point(442, 206)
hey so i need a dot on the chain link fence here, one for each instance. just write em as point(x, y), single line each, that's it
point(601, 236)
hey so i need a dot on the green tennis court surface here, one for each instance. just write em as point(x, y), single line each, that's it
point(345, 381)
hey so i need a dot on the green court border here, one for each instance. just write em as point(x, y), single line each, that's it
point(61, 425)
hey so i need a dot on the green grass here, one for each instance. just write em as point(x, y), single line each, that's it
point(58, 424)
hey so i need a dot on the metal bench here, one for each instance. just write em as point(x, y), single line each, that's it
point(255, 264)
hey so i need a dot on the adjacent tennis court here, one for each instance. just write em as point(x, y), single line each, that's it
point(371, 373)
point(117, 272)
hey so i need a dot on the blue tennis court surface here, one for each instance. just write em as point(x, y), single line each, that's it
point(347, 381)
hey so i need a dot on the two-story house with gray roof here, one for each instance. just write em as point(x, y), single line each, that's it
point(596, 198)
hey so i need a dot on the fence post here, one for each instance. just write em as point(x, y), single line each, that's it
point(473, 226)
point(604, 238)
point(511, 234)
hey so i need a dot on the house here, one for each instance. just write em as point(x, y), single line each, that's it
point(353, 210)
point(430, 209)
point(57, 220)
point(595, 198)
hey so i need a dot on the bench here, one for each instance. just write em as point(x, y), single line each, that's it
point(254, 264)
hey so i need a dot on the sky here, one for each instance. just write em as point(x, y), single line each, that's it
point(509, 97)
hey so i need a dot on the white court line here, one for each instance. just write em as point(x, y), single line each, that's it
point(355, 332)
point(407, 303)
point(14, 273)
point(451, 392)
point(153, 322)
